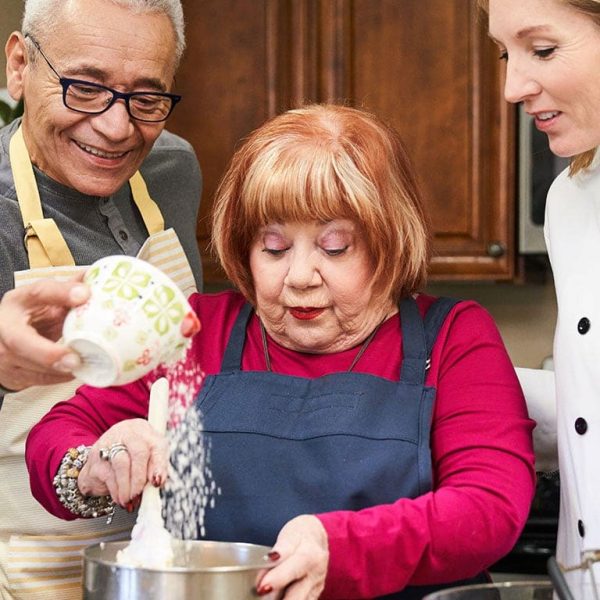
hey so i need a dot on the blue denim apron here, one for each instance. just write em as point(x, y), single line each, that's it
point(282, 446)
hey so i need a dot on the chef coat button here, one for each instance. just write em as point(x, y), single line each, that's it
point(123, 235)
point(583, 326)
point(580, 528)
point(581, 425)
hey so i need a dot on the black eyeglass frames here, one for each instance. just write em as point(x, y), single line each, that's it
point(94, 99)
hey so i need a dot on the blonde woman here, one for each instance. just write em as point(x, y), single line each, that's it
point(552, 53)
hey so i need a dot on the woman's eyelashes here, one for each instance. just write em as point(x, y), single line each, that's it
point(335, 251)
point(328, 251)
point(542, 53)
point(275, 251)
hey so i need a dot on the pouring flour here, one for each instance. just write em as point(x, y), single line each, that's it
point(151, 543)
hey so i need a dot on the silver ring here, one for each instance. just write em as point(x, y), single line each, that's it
point(109, 453)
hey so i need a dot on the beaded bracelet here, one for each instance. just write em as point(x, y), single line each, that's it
point(67, 490)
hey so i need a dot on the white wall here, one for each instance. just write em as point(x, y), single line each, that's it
point(525, 315)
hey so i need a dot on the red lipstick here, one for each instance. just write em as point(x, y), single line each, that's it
point(305, 313)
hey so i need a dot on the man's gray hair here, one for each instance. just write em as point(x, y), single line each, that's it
point(43, 16)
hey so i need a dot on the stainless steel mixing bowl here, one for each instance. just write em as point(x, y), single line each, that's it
point(201, 571)
point(512, 590)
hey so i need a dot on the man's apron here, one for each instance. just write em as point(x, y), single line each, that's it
point(282, 446)
point(40, 555)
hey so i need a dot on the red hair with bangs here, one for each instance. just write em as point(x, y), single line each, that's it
point(319, 163)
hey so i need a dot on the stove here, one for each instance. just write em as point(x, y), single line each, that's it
point(537, 543)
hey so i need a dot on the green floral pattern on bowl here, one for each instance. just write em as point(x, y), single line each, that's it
point(126, 282)
point(164, 309)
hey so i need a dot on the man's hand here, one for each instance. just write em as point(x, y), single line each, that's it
point(31, 320)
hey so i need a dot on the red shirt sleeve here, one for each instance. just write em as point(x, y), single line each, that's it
point(78, 421)
point(92, 411)
point(483, 476)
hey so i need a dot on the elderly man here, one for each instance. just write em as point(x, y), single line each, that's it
point(89, 171)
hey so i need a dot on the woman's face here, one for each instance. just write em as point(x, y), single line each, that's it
point(553, 68)
point(313, 285)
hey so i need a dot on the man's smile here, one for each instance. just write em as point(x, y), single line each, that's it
point(100, 153)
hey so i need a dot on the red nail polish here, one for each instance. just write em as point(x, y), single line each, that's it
point(129, 507)
point(156, 480)
point(263, 590)
point(274, 556)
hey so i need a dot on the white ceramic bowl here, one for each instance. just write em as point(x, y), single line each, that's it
point(130, 324)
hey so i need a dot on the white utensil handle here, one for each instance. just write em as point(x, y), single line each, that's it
point(158, 413)
point(158, 410)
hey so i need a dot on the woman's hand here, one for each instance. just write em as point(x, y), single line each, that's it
point(126, 473)
point(304, 554)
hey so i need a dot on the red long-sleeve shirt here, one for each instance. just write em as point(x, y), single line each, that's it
point(483, 474)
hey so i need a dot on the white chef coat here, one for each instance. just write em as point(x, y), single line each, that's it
point(572, 231)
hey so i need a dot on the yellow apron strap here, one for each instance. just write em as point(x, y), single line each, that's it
point(45, 244)
point(149, 210)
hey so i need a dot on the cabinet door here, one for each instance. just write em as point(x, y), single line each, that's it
point(425, 66)
point(428, 67)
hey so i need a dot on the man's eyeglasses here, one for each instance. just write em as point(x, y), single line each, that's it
point(94, 99)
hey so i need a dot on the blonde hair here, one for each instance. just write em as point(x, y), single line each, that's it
point(591, 8)
point(325, 162)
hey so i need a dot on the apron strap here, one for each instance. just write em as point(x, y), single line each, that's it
point(45, 244)
point(414, 347)
point(418, 336)
point(153, 219)
point(435, 317)
point(25, 186)
point(232, 360)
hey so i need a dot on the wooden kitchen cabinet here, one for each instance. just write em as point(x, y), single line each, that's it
point(425, 66)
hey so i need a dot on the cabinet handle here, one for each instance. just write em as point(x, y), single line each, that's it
point(496, 249)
